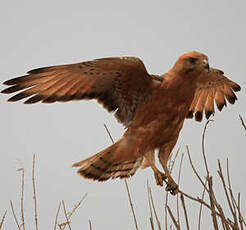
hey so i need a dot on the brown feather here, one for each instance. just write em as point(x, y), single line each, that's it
point(200, 105)
point(45, 90)
point(209, 104)
point(220, 99)
point(229, 94)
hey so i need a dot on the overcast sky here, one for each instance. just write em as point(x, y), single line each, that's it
point(43, 33)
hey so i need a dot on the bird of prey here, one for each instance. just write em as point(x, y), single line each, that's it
point(151, 107)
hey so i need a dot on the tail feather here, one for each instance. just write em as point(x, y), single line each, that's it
point(104, 165)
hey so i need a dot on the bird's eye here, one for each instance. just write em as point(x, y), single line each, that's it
point(192, 60)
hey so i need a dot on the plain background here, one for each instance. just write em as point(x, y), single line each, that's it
point(43, 33)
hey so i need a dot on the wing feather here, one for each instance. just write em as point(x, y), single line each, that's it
point(117, 83)
point(212, 86)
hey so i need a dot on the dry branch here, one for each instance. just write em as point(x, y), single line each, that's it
point(242, 121)
point(173, 219)
point(57, 213)
point(127, 188)
point(34, 193)
point(2, 220)
point(14, 215)
point(185, 211)
point(66, 216)
point(153, 206)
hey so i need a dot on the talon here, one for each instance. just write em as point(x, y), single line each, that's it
point(164, 177)
point(172, 187)
point(160, 177)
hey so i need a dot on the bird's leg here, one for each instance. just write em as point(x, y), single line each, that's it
point(164, 153)
point(149, 161)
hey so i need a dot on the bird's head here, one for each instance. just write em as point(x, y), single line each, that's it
point(192, 63)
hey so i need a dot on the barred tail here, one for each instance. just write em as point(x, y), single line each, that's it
point(105, 164)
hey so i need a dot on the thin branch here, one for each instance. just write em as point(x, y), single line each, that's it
point(172, 161)
point(34, 193)
point(70, 214)
point(242, 121)
point(224, 186)
point(90, 225)
point(220, 213)
point(131, 204)
point(239, 212)
point(194, 170)
point(203, 146)
point(66, 216)
point(111, 138)
point(151, 223)
point(166, 201)
point(179, 176)
point(127, 188)
point(22, 197)
point(173, 219)
point(231, 194)
point(200, 210)
point(77, 206)
point(57, 213)
point(13, 211)
point(170, 168)
point(185, 211)
point(153, 205)
point(150, 207)
point(212, 202)
point(2, 220)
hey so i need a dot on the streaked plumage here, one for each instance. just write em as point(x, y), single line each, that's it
point(151, 107)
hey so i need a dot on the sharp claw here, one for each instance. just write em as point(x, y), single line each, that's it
point(172, 187)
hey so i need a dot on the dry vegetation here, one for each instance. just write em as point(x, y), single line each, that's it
point(208, 202)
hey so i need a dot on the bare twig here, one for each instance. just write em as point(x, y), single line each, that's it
point(180, 165)
point(242, 121)
point(224, 186)
point(153, 206)
point(110, 136)
point(221, 214)
point(131, 204)
point(203, 146)
point(150, 207)
point(76, 206)
point(239, 212)
point(127, 188)
point(151, 223)
point(13, 211)
point(173, 219)
point(185, 211)
point(170, 167)
point(2, 220)
point(34, 193)
point(166, 211)
point(231, 195)
point(57, 213)
point(200, 210)
point(212, 202)
point(90, 225)
point(66, 216)
point(194, 170)
point(22, 197)
point(172, 161)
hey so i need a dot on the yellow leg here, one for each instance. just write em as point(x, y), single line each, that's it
point(164, 153)
point(149, 161)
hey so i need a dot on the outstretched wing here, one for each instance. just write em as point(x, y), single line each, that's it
point(212, 86)
point(117, 83)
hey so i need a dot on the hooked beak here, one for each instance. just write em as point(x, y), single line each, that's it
point(205, 63)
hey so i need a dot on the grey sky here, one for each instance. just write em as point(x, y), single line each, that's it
point(42, 33)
